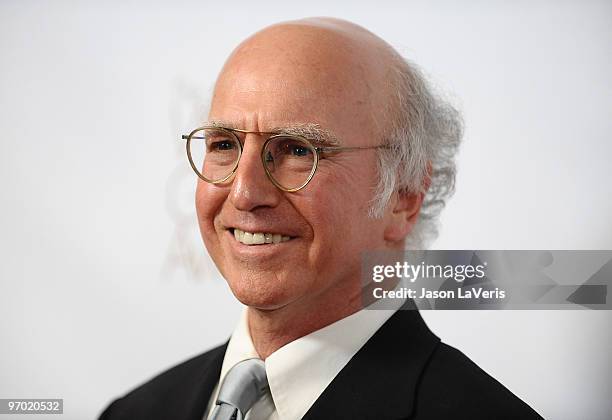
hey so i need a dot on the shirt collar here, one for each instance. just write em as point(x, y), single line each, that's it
point(301, 370)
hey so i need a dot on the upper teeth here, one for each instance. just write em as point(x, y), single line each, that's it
point(257, 238)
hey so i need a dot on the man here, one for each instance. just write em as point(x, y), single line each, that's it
point(321, 143)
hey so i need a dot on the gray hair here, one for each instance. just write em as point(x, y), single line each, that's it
point(424, 130)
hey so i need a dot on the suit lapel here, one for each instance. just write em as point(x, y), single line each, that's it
point(381, 380)
point(206, 377)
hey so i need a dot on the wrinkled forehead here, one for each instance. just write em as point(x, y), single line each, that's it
point(331, 66)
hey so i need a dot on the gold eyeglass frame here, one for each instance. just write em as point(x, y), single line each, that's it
point(273, 135)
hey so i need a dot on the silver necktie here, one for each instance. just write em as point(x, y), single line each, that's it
point(243, 385)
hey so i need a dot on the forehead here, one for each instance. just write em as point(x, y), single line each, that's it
point(297, 76)
point(285, 91)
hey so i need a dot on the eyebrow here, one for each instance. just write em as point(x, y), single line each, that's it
point(310, 131)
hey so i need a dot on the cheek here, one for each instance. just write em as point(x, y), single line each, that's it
point(338, 206)
point(346, 188)
point(208, 200)
point(348, 202)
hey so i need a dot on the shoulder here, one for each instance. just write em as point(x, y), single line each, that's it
point(452, 385)
point(174, 393)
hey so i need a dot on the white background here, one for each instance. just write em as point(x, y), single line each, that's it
point(98, 240)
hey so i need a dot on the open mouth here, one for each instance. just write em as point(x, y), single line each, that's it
point(258, 238)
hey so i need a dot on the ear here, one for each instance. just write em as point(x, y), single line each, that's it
point(404, 212)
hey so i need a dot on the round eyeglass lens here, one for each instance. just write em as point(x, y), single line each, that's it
point(290, 161)
point(214, 153)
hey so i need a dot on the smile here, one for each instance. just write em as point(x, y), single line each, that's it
point(259, 238)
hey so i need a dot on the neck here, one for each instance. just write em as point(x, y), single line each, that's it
point(272, 329)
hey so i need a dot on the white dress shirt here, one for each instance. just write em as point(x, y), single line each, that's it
point(299, 372)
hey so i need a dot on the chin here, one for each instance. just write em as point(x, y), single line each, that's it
point(266, 293)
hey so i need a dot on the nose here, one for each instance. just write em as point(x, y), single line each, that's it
point(251, 187)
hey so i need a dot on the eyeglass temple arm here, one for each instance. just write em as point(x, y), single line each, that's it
point(349, 148)
point(186, 137)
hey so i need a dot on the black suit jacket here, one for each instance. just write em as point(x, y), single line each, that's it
point(402, 372)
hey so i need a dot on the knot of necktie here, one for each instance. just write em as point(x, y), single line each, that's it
point(243, 385)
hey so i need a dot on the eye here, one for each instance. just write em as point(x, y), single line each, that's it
point(293, 148)
point(221, 145)
point(298, 150)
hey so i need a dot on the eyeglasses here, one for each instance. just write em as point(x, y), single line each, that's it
point(290, 161)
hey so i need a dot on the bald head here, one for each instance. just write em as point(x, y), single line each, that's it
point(336, 64)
